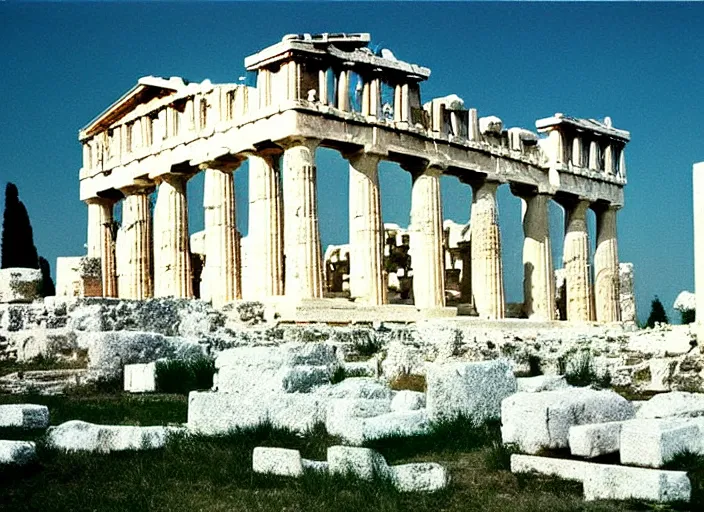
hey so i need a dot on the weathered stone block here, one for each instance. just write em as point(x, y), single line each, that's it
point(19, 284)
point(473, 390)
point(625, 483)
point(364, 463)
point(140, 378)
point(344, 417)
point(674, 404)
point(596, 439)
point(24, 416)
point(541, 383)
point(357, 387)
point(17, 452)
point(406, 400)
point(654, 442)
point(277, 461)
point(79, 435)
point(398, 423)
point(542, 420)
point(419, 477)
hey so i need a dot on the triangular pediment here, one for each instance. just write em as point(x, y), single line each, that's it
point(146, 89)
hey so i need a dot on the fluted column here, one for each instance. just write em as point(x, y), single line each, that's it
point(172, 257)
point(594, 156)
point(366, 232)
point(222, 244)
point(135, 246)
point(606, 278)
point(577, 155)
point(265, 258)
point(343, 95)
point(101, 243)
point(579, 303)
point(609, 161)
point(538, 273)
point(487, 268)
point(427, 259)
point(303, 265)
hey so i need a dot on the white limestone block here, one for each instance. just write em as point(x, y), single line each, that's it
point(474, 390)
point(17, 452)
point(344, 417)
point(79, 435)
point(24, 416)
point(673, 404)
point(140, 378)
point(216, 413)
point(399, 423)
point(567, 469)
point(661, 371)
point(535, 421)
point(490, 124)
point(277, 461)
point(665, 342)
point(654, 442)
point(357, 387)
point(541, 383)
point(19, 284)
point(624, 483)
point(419, 477)
point(595, 439)
point(364, 463)
point(685, 301)
point(321, 466)
point(406, 400)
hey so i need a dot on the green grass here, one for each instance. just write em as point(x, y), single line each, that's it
point(580, 372)
point(182, 376)
point(693, 464)
point(41, 363)
point(196, 473)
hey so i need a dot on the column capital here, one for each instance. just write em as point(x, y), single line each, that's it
point(423, 167)
point(484, 185)
point(172, 178)
point(602, 207)
point(145, 188)
point(292, 142)
point(361, 160)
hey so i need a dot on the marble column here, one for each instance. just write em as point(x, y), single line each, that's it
point(487, 268)
point(135, 267)
point(609, 161)
point(594, 156)
point(538, 272)
point(172, 257)
point(466, 279)
point(427, 258)
point(606, 277)
point(575, 255)
point(577, 154)
point(265, 258)
point(366, 232)
point(303, 261)
point(343, 94)
point(101, 243)
point(222, 244)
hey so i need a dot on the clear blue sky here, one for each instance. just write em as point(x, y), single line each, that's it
point(641, 64)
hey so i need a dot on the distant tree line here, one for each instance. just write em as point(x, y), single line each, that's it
point(17, 247)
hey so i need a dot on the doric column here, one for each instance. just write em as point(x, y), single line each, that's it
point(606, 278)
point(466, 279)
point(375, 97)
point(366, 231)
point(101, 242)
point(135, 265)
point(172, 257)
point(594, 156)
point(577, 155)
point(427, 259)
point(575, 255)
point(222, 244)
point(265, 258)
point(609, 161)
point(538, 273)
point(487, 268)
point(398, 103)
point(303, 265)
point(343, 95)
point(292, 80)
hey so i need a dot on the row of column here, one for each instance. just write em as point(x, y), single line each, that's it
point(285, 222)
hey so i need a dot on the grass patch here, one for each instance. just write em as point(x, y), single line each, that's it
point(580, 372)
point(408, 381)
point(42, 363)
point(183, 376)
point(498, 455)
point(693, 464)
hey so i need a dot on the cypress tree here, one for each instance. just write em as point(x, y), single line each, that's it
point(657, 313)
point(48, 289)
point(17, 244)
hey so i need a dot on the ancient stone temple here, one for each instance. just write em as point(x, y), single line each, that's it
point(331, 90)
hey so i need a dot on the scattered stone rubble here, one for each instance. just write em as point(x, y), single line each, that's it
point(17, 452)
point(363, 463)
point(27, 416)
point(79, 435)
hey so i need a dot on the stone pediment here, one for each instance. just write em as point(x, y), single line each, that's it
point(147, 89)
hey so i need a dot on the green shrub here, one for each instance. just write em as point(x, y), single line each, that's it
point(693, 464)
point(182, 376)
point(657, 314)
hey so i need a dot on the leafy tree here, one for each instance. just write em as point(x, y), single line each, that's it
point(657, 313)
point(17, 248)
point(48, 288)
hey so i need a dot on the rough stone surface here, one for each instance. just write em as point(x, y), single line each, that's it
point(627, 296)
point(17, 452)
point(24, 416)
point(406, 400)
point(535, 421)
point(19, 284)
point(140, 378)
point(595, 439)
point(79, 435)
point(654, 442)
point(541, 383)
point(217, 413)
point(364, 463)
point(674, 404)
point(277, 461)
point(419, 477)
point(624, 483)
point(399, 423)
point(357, 387)
point(345, 417)
point(474, 390)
